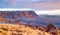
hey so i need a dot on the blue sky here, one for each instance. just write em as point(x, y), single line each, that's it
point(32, 4)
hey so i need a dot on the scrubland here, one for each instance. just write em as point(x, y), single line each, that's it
point(15, 29)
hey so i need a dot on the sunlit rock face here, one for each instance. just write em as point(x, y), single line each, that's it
point(18, 14)
point(1, 19)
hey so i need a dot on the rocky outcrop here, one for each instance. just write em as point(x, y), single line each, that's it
point(1, 19)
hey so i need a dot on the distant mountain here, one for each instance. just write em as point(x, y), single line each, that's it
point(51, 16)
point(54, 19)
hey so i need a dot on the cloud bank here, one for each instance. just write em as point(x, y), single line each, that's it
point(49, 12)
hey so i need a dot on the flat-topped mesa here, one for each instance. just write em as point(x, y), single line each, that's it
point(28, 14)
point(18, 14)
point(13, 16)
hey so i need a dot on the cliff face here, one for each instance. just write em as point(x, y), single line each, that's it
point(25, 17)
point(18, 14)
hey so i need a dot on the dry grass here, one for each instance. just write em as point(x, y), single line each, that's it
point(14, 29)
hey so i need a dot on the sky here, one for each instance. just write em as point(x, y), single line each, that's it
point(51, 7)
point(31, 4)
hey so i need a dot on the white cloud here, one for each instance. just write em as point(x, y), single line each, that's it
point(50, 12)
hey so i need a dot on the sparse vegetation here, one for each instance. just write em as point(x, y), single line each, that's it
point(14, 29)
point(4, 29)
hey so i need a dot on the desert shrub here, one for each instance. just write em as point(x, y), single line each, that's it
point(50, 25)
point(6, 29)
